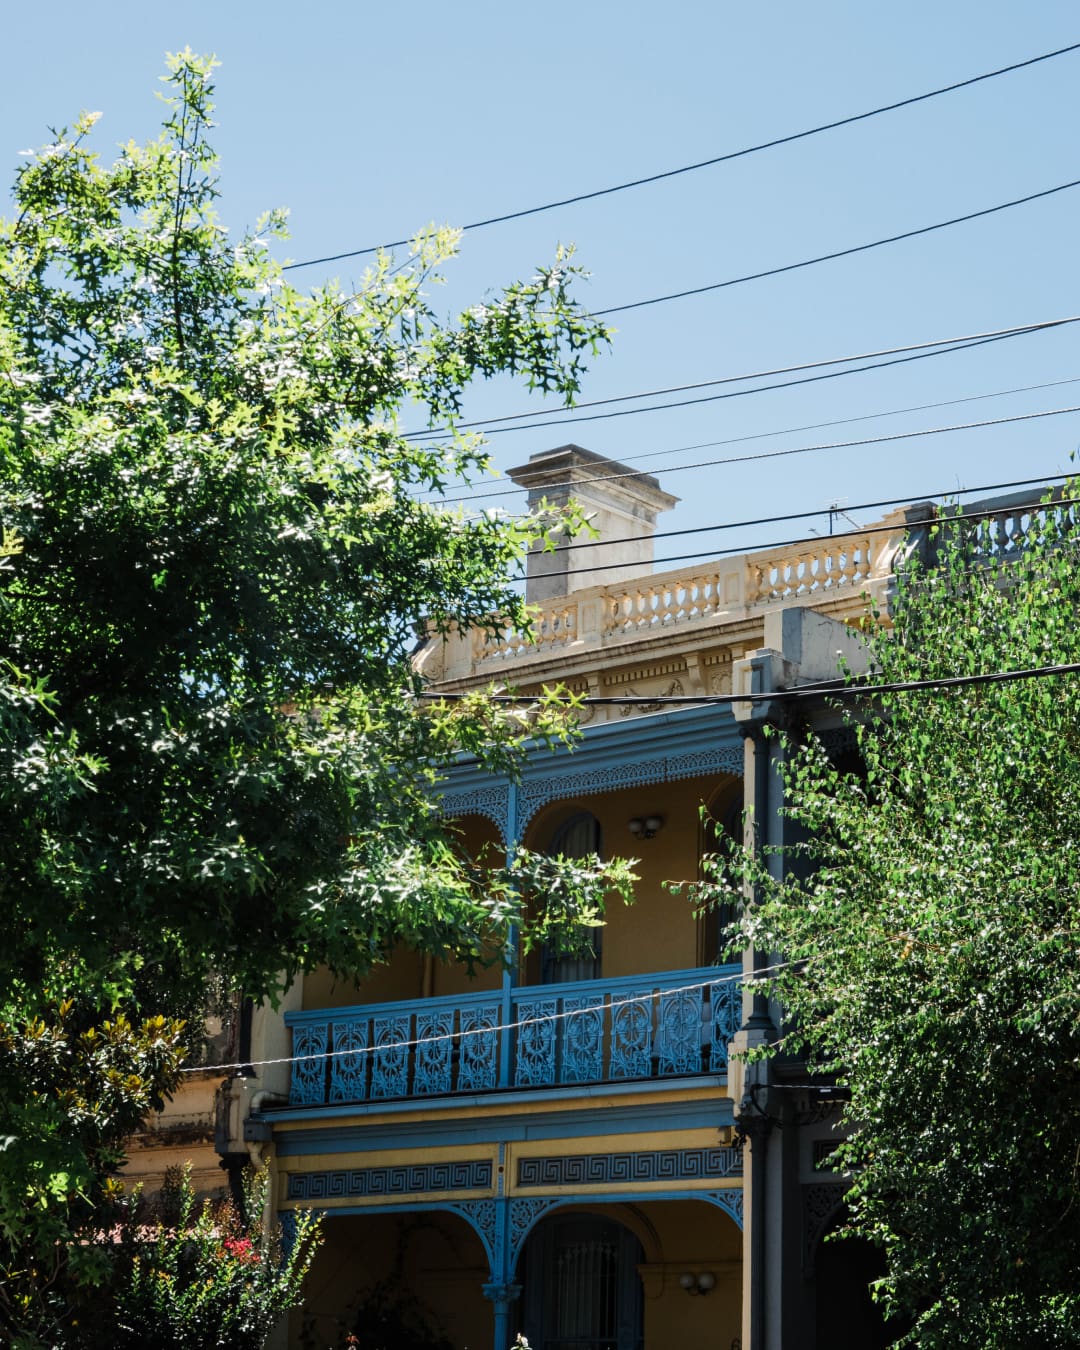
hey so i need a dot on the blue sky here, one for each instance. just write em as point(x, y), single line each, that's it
point(369, 121)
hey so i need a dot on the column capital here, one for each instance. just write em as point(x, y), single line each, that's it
point(501, 1291)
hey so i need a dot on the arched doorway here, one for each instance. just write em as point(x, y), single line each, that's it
point(581, 1289)
point(846, 1316)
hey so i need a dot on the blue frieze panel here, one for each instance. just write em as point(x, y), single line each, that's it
point(406, 1181)
point(621, 1169)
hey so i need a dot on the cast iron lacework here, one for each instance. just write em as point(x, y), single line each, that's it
point(483, 1215)
point(536, 792)
point(390, 1069)
point(821, 1204)
point(730, 1201)
point(536, 1042)
point(405, 1181)
point(349, 1065)
point(432, 1068)
point(478, 1065)
point(586, 1031)
point(309, 1065)
point(492, 802)
point(725, 1002)
point(523, 1215)
point(287, 1224)
point(631, 1035)
point(583, 1040)
point(619, 1169)
point(679, 1032)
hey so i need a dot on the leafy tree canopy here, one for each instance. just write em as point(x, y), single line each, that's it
point(932, 925)
point(218, 551)
point(218, 567)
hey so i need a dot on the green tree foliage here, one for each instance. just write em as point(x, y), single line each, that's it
point(932, 923)
point(219, 551)
point(202, 1276)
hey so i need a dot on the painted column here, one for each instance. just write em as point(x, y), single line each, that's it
point(750, 1082)
point(501, 1289)
point(502, 1294)
point(510, 969)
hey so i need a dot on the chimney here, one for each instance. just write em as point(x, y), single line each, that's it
point(619, 504)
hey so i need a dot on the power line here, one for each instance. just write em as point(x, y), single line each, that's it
point(850, 536)
point(794, 431)
point(794, 543)
point(838, 253)
point(617, 1001)
point(821, 511)
point(717, 159)
point(808, 449)
point(1015, 330)
point(825, 688)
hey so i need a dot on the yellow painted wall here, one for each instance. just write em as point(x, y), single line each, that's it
point(401, 978)
point(659, 931)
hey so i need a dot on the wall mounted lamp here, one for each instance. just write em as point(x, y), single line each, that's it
point(644, 827)
point(702, 1283)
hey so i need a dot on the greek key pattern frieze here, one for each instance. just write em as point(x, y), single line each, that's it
point(357, 1183)
point(620, 1169)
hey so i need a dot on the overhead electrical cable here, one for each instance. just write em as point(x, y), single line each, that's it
point(851, 535)
point(1016, 330)
point(717, 159)
point(808, 449)
point(944, 493)
point(759, 975)
point(838, 253)
point(794, 431)
point(830, 689)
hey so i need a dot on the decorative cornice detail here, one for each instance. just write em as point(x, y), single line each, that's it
point(653, 671)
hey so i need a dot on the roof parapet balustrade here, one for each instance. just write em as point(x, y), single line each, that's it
point(636, 1028)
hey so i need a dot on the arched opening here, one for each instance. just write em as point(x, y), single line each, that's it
point(846, 1316)
point(581, 1289)
point(396, 1282)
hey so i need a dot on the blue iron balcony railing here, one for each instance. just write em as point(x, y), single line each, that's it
point(535, 1036)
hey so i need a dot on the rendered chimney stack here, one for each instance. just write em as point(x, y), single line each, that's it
point(622, 505)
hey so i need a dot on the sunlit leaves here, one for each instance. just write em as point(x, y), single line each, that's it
point(933, 914)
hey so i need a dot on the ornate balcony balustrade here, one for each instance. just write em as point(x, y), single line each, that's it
point(536, 1036)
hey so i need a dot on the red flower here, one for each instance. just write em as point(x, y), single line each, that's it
point(241, 1249)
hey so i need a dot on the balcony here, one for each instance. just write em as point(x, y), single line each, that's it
point(636, 1029)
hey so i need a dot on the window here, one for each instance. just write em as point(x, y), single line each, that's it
point(577, 837)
